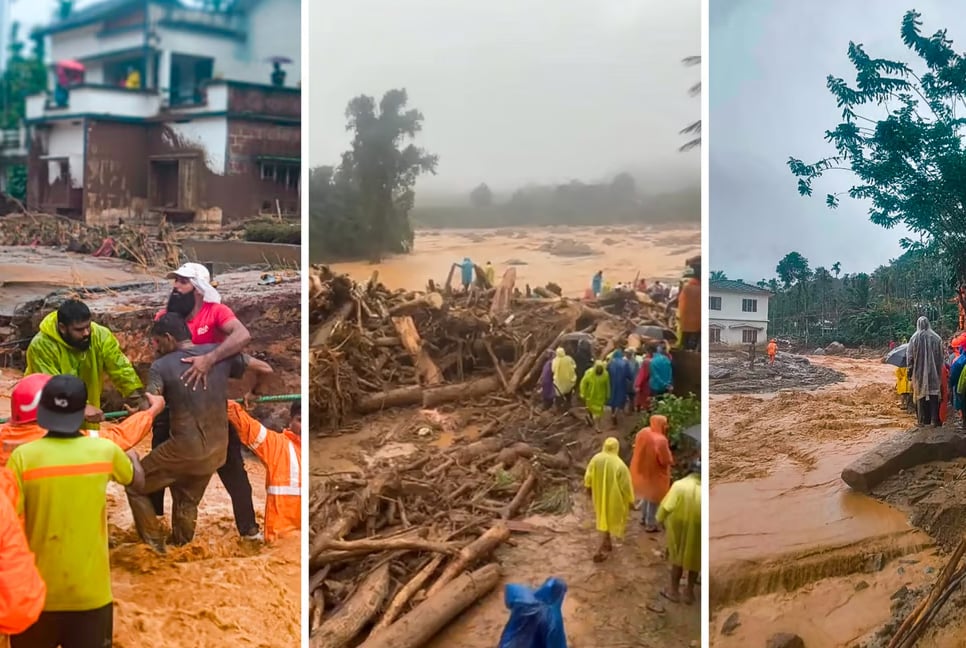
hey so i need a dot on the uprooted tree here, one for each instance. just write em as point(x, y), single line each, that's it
point(907, 153)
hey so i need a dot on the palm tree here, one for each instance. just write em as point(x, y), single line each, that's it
point(837, 268)
point(693, 130)
point(718, 275)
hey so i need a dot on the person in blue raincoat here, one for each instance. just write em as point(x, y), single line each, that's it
point(621, 382)
point(662, 379)
point(536, 616)
point(466, 273)
point(597, 283)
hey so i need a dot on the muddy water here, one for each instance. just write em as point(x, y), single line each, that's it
point(619, 251)
point(215, 591)
point(778, 498)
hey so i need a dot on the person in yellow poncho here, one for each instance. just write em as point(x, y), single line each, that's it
point(490, 273)
point(608, 481)
point(564, 370)
point(904, 388)
point(680, 514)
point(594, 391)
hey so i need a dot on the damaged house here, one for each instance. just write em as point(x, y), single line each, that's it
point(160, 109)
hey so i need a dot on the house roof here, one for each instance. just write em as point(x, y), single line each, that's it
point(95, 13)
point(737, 286)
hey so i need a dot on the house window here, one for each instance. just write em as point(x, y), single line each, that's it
point(749, 336)
point(286, 174)
point(749, 305)
point(715, 333)
point(714, 303)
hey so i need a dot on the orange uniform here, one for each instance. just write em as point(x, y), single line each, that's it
point(651, 462)
point(126, 434)
point(772, 350)
point(22, 590)
point(282, 455)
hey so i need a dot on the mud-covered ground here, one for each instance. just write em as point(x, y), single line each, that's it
point(731, 372)
point(611, 604)
point(793, 549)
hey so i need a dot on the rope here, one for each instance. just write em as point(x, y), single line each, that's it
point(284, 398)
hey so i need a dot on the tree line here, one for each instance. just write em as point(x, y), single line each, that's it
point(816, 306)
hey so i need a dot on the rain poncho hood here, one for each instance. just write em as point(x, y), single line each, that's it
point(536, 616)
point(610, 483)
point(48, 353)
point(680, 513)
point(595, 389)
point(652, 461)
point(925, 359)
point(564, 372)
point(660, 373)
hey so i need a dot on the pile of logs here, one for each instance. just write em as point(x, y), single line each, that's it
point(373, 348)
point(398, 553)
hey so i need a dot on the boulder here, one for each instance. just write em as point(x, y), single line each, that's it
point(835, 348)
point(785, 640)
point(901, 452)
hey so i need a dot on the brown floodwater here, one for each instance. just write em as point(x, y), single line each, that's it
point(621, 252)
point(781, 497)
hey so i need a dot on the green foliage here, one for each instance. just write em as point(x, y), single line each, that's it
point(17, 181)
point(718, 275)
point(24, 76)
point(681, 414)
point(273, 231)
point(908, 160)
point(692, 130)
point(481, 196)
point(362, 206)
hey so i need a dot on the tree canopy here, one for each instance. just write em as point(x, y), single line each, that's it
point(901, 136)
point(692, 130)
point(481, 196)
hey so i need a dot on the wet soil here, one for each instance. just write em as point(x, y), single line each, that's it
point(608, 605)
point(730, 372)
point(656, 253)
point(793, 548)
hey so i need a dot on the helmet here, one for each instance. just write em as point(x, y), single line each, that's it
point(25, 397)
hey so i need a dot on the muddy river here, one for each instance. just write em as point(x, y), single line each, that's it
point(621, 252)
point(793, 549)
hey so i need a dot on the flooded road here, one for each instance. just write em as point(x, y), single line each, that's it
point(619, 251)
point(782, 519)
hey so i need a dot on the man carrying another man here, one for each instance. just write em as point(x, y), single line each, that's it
point(214, 326)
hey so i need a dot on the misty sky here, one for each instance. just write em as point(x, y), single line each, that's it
point(768, 101)
point(514, 92)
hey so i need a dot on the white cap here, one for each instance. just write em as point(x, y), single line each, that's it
point(200, 278)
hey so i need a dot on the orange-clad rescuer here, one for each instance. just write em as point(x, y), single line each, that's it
point(23, 428)
point(281, 452)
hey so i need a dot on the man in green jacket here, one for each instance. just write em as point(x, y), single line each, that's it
point(70, 343)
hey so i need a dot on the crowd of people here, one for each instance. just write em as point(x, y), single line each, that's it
point(58, 454)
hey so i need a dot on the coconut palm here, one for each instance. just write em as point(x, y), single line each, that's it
point(692, 130)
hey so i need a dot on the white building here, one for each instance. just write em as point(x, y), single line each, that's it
point(737, 312)
point(208, 134)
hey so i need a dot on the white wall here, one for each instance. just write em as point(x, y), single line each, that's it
point(732, 335)
point(731, 307)
point(211, 134)
point(84, 41)
point(66, 139)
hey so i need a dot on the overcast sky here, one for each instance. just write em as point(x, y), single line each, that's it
point(768, 101)
point(512, 92)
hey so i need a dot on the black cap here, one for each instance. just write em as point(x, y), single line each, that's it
point(62, 404)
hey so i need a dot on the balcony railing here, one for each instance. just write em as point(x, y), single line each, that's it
point(94, 99)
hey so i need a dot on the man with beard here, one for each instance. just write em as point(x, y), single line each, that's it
point(70, 343)
point(215, 326)
point(198, 439)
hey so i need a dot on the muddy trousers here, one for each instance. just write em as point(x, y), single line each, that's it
point(186, 494)
point(649, 513)
point(87, 629)
point(232, 475)
point(929, 411)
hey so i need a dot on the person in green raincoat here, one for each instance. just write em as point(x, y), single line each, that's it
point(594, 391)
point(680, 514)
point(70, 343)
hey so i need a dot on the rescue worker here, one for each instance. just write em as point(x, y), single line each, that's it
point(210, 323)
point(70, 343)
point(281, 453)
point(594, 391)
point(466, 273)
point(62, 481)
point(23, 428)
point(198, 441)
point(564, 371)
point(680, 514)
point(490, 274)
point(689, 312)
point(608, 482)
point(772, 351)
point(23, 588)
point(904, 389)
point(651, 469)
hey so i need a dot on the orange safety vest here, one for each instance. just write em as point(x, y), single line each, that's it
point(126, 434)
point(23, 590)
point(282, 455)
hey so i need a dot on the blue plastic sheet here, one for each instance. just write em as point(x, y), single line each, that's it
point(536, 616)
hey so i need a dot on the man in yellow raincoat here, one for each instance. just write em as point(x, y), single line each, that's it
point(70, 343)
point(680, 514)
point(608, 481)
point(564, 370)
point(594, 391)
